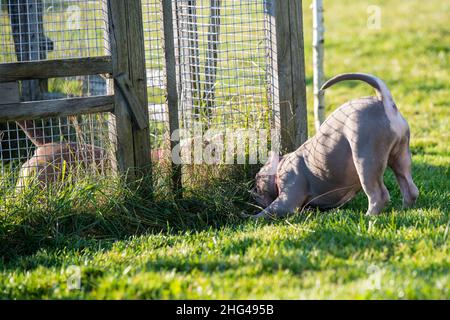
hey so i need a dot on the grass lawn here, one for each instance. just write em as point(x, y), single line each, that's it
point(128, 246)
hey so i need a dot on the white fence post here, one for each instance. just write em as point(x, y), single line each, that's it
point(318, 56)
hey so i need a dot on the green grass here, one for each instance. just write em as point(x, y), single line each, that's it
point(314, 256)
point(128, 245)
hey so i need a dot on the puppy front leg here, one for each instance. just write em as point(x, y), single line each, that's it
point(277, 209)
point(287, 202)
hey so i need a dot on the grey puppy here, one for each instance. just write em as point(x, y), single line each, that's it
point(350, 152)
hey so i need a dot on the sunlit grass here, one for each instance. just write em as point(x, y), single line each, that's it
point(130, 245)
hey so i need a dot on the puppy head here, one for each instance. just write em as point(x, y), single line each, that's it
point(265, 190)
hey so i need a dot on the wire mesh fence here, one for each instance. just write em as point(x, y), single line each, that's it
point(41, 152)
point(73, 148)
point(155, 69)
point(224, 55)
point(223, 65)
point(224, 69)
point(52, 29)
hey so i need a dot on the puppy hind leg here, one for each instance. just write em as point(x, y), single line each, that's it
point(378, 196)
point(401, 166)
point(371, 177)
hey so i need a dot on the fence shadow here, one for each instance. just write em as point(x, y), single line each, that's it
point(340, 242)
point(23, 238)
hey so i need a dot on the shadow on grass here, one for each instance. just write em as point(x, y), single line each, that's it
point(93, 214)
point(337, 238)
point(218, 208)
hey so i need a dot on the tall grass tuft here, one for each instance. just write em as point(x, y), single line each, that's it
point(103, 207)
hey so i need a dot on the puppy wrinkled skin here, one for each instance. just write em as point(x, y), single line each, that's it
point(350, 153)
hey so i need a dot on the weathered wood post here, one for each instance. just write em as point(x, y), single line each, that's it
point(172, 94)
point(130, 87)
point(286, 16)
point(318, 54)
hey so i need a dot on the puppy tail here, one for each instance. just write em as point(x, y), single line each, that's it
point(380, 87)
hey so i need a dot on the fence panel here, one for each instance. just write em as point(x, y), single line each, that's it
point(44, 31)
point(220, 64)
point(239, 65)
point(61, 114)
point(224, 63)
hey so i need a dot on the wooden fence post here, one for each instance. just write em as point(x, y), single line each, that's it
point(290, 68)
point(121, 121)
point(171, 82)
point(138, 78)
point(130, 86)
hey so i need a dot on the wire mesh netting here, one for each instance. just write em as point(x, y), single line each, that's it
point(224, 58)
point(52, 150)
point(52, 29)
point(224, 68)
point(155, 69)
point(41, 152)
point(223, 48)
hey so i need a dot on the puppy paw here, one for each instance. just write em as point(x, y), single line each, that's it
point(259, 216)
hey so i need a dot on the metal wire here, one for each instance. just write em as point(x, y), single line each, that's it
point(155, 68)
point(74, 146)
point(46, 150)
point(52, 29)
point(225, 75)
point(225, 59)
point(224, 63)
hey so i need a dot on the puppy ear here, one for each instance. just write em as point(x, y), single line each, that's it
point(272, 163)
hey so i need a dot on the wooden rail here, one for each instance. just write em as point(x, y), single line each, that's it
point(54, 68)
point(55, 108)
